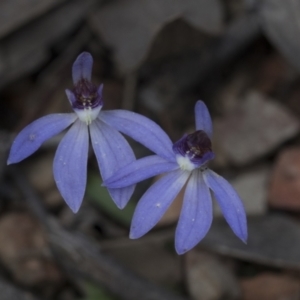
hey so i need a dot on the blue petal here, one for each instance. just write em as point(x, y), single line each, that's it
point(230, 203)
point(141, 129)
point(203, 119)
point(33, 135)
point(113, 152)
point(71, 97)
point(139, 170)
point(100, 90)
point(70, 165)
point(196, 214)
point(82, 67)
point(156, 201)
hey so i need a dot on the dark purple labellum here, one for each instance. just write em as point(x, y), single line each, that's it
point(196, 146)
point(87, 95)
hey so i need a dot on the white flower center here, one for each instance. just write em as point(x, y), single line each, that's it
point(184, 163)
point(88, 114)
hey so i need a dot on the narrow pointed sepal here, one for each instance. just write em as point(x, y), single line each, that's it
point(196, 214)
point(139, 170)
point(156, 201)
point(112, 152)
point(141, 129)
point(100, 91)
point(71, 97)
point(203, 119)
point(231, 205)
point(70, 165)
point(82, 67)
point(36, 133)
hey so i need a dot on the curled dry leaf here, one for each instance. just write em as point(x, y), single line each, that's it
point(14, 13)
point(280, 20)
point(257, 126)
point(130, 26)
point(273, 241)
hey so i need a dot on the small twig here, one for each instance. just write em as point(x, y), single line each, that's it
point(82, 256)
point(35, 204)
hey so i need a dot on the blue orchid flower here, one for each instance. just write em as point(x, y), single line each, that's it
point(186, 168)
point(111, 148)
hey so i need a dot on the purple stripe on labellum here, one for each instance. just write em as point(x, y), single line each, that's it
point(195, 146)
point(86, 95)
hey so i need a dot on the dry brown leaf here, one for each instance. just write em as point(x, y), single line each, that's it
point(254, 128)
point(14, 13)
point(281, 24)
point(130, 26)
point(269, 286)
